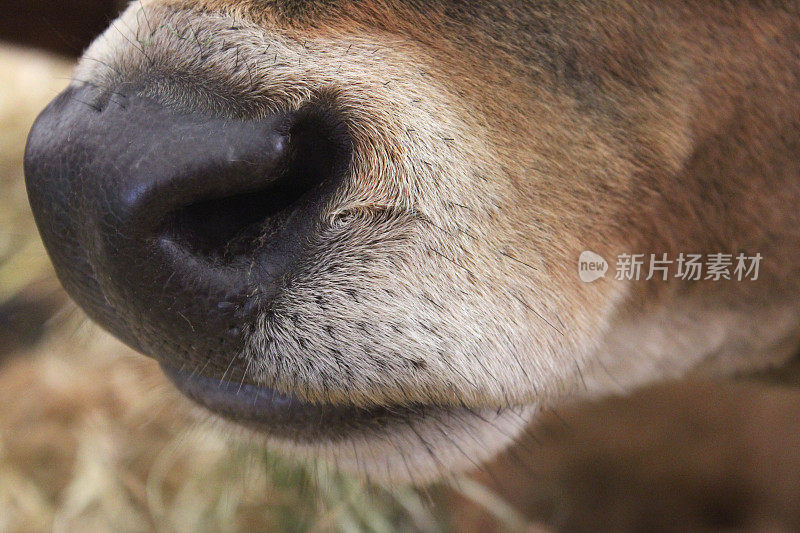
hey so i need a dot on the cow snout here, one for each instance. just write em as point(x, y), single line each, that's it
point(171, 227)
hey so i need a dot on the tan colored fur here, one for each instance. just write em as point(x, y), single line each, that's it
point(493, 144)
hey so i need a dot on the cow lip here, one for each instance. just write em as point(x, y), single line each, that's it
point(271, 412)
point(243, 402)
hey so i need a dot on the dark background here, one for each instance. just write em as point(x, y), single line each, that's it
point(62, 26)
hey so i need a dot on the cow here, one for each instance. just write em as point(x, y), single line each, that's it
point(391, 233)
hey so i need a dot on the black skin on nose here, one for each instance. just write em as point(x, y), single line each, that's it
point(173, 229)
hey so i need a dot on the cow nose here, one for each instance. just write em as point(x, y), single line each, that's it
point(173, 228)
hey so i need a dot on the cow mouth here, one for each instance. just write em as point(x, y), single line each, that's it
point(287, 416)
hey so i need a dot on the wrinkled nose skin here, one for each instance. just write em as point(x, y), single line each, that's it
point(171, 228)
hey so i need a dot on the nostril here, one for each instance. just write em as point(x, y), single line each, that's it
point(231, 227)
